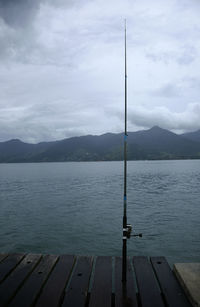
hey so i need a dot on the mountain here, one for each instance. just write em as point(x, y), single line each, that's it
point(194, 136)
point(154, 143)
point(18, 151)
point(85, 148)
point(160, 143)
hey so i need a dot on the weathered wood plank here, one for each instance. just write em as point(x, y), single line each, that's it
point(171, 289)
point(149, 292)
point(125, 295)
point(53, 291)
point(3, 256)
point(30, 290)
point(76, 293)
point(101, 293)
point(9, 287)
point(8, 264)
point(36, 280)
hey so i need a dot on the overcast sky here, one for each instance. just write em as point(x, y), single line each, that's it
point(62, 67)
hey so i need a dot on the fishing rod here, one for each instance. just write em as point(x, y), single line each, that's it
point(127, 228)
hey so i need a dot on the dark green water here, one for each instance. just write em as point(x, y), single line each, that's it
point(76, 208)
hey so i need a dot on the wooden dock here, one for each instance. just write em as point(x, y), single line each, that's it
point(76, 281)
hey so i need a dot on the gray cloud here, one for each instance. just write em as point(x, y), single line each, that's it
point(184, 56)
point(21, 22)
point(187, 120)
point(18, 13)
point(168, 90)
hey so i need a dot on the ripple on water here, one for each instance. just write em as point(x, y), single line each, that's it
point(77, 208)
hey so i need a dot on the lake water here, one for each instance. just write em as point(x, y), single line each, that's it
point(76, 208)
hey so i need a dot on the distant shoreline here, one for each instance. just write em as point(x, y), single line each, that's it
point(138, 160)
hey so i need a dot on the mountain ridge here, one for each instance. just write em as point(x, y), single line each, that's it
point(152, 144)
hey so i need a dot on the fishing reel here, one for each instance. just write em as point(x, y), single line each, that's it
point(129, 230)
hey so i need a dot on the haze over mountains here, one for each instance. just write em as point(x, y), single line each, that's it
point(155, 143)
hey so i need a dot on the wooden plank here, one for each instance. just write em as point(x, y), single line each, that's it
point(125, 295)
point(149, 292)
point(53, 291)
point(30, 290)
point(76, 293)
point(8, 264)
point(3, 256)
point(171, 289)
point(9, 287)
point(101, 293)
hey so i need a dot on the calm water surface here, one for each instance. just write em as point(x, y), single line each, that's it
point(76, 208)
